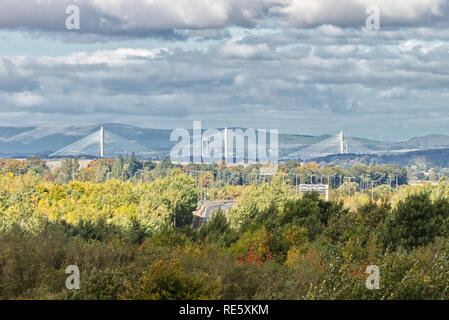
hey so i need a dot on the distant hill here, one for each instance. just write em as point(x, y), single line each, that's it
point(432, 158)
point(427, 142)
point(45, 140)
point(375, 145)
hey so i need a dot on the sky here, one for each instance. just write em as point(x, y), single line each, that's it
point(300, 66)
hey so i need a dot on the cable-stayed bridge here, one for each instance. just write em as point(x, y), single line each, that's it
point(106, 144)
point(338, 144)
point(101, 144)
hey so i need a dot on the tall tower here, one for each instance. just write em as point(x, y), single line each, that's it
point(342, 146)
point(226, 143)
point(102, 142)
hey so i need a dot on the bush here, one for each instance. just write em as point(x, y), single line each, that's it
point(167, 281)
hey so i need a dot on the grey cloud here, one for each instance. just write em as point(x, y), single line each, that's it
point(14, 80)
point(298, 79)
point(115, 19)
point(103, 20)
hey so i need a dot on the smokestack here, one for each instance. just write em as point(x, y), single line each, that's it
point(101, 142)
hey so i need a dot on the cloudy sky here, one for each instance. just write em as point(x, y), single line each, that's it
point(301, 66)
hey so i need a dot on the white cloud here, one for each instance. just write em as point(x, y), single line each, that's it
point(24, 99)
point(146, 18)
point(351, 12)
point(423, 46)
point(163, 14)
point(233, 49)
point(393, 93)
point(117, 57)
point(300, 78)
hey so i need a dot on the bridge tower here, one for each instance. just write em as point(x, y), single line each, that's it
point(342, 142)
point(101, 142)
point(226, 143)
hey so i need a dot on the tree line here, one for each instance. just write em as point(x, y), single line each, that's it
point(133, 240)
point(210, 175)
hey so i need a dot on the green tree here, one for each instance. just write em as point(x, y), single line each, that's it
point(304, 212)
point(117, 167)
point(415, 222)
point(101, 171)
point(68, 171)
point(217, 229)
point(133, 165)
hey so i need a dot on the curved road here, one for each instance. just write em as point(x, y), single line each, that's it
point(203, 214)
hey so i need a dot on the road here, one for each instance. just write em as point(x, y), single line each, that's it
point(203, 214)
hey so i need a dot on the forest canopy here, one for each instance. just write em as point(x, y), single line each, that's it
point(133, 238)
